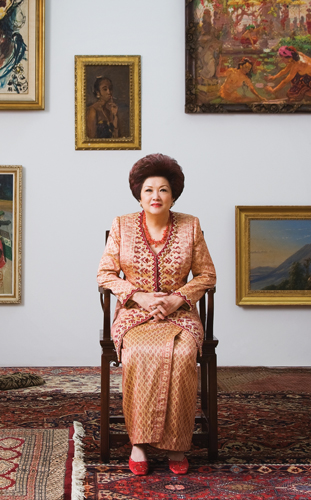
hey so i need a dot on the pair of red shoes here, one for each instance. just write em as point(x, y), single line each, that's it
point(176, 466)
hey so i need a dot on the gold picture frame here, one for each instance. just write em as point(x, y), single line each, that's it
point(22, 73)
point(10, 234)
point(107, 102)
point(273, 255)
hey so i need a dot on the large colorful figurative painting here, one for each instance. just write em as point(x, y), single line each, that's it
point(273, 255)
point(21, 54)
point(248, 55)
point(10, 234)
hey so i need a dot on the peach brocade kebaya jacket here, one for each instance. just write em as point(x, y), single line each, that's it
point(127, 250)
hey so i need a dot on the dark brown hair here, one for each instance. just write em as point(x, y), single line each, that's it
point(157, 165)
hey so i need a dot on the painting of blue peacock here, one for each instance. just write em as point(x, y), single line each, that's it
point(14, 20)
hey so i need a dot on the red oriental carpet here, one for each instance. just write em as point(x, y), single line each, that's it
point(264, 445)
point(212, 482)
point(37, 464)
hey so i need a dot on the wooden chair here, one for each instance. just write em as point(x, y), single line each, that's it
point(208, 420)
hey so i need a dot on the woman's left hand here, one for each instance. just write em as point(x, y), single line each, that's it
point(164, 305)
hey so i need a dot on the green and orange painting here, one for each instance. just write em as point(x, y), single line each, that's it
point(280, 254)
point(252, 51)
point(6, 233)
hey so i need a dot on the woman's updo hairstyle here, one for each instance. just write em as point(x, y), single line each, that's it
point(157, 165)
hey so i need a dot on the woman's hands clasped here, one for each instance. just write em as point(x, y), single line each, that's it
point(160, 304)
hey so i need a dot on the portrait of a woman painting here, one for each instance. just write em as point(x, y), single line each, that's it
point(157, 331)
point(107, 102)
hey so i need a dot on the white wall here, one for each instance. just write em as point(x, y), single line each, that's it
point(71, 197)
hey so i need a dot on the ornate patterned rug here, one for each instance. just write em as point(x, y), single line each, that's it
point(264, 443)
point(264, 379)
point(210, 482)
point(41, 464)
point(254, 428)
point(86, 379)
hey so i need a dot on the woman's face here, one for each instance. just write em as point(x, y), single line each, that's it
point(286, 60)
point(104, 93)
point(156, 196)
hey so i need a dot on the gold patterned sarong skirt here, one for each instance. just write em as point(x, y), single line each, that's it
point(159, 379)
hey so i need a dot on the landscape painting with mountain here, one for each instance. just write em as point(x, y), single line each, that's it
point(280, 254)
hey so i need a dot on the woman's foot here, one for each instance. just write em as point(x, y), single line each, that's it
point(139, 453)
point(176, 456)
point(138, 462)
point(177, 462)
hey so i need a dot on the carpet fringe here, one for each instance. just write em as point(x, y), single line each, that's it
point(78, 467)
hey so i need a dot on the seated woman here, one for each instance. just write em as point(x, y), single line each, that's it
point(156, 326)
point(297, 72)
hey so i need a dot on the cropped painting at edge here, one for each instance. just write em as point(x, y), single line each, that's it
point(22, 54)
point(10, 234)
point(273, 246)
point(250, 56)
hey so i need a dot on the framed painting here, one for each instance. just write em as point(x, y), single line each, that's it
point(10, 234)
point(108, 102)
point(273, 255)
point(22, 54)
point(248, 56)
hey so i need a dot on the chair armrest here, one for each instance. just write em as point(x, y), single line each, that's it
point(104, 298)
point(207, 319)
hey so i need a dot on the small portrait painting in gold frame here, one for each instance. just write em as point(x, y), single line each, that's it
point(108, 109)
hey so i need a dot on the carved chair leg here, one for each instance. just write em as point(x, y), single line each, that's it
point(212, 408)
point(104, 411)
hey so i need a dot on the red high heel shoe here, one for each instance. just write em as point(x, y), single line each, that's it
point(179, 466)
point(139, 468)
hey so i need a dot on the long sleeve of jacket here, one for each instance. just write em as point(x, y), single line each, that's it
point(202, 268)
point(109, 267)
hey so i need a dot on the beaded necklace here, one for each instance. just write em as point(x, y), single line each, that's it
point(150, 240)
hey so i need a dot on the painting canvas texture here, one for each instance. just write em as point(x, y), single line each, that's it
point(14, 45)
point(248, 55)
point(6, 233)
point(117, 81)
point(280, 254)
